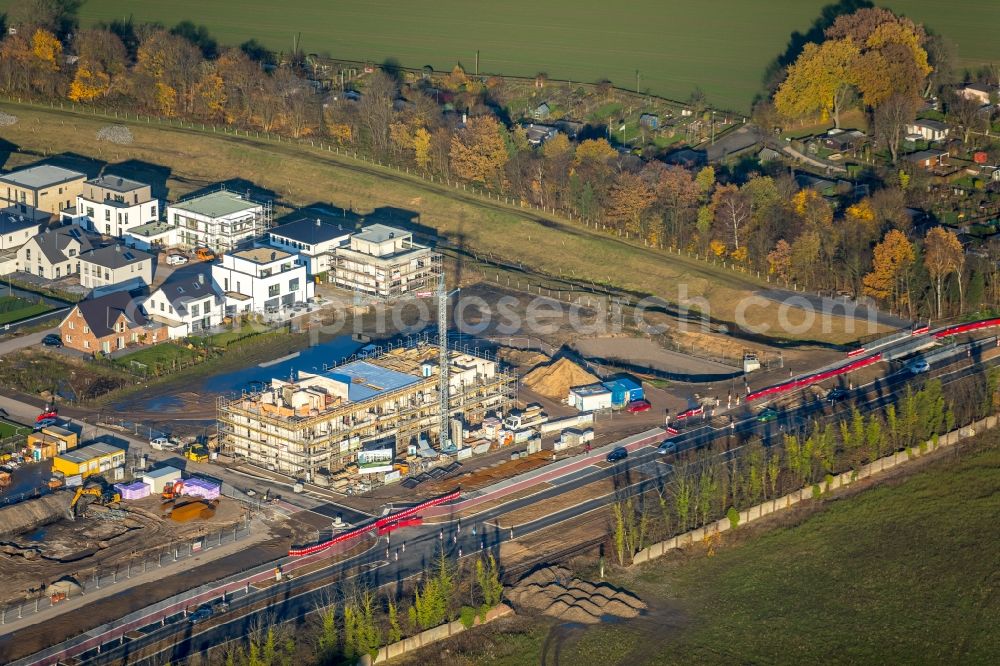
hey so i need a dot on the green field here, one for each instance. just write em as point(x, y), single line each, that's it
point(8, 429)
point(13, 308)
point(723, 46)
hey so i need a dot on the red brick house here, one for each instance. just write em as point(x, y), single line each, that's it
point(109, 323)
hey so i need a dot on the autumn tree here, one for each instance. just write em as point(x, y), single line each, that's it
point(46, 61)
point(943, 255)
point(167, 70)
point(15, 64)
point(819, 81)
point(779, 261)
point(630, 198)
point(102, 65)
point(892, 261)
point(479, 152)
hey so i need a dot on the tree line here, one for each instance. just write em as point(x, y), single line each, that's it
point(752, 216)
point(704, 489)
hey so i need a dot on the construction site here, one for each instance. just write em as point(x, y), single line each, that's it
point(86, 526)
point(377, 415)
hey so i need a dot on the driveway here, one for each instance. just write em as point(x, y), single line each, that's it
point(29, 340)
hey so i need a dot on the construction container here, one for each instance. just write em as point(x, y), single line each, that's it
point(50, 442)
point(87, 460)
point(160, 477)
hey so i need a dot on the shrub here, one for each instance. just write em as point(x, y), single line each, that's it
point(468, 616)
point(734, 517)
point(817, 491)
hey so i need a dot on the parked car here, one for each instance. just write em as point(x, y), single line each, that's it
point(204, 254)
point(620, 453)
point(45, 423)
point(160, 444)
point(767, 415)
point(917, 366)
point(837, 394)
point(49, 413)
point(176, 260)
point(638, 406)
point(52, 340)
point(667, 447)
point(200, 615)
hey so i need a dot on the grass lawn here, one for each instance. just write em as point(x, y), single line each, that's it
point(8, 429)
point(723, 48)
point(903, 573)
point(302, 175)
point(13, 308)
point(159, 358)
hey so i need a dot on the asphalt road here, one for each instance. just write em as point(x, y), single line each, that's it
point(390, 562)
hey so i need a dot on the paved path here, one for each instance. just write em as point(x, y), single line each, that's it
point(27, 340)
point(816, 163)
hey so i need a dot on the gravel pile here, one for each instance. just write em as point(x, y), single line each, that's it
point(556, 592)
point(115, 134)
point(6, 119)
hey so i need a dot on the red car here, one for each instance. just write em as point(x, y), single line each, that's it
point(638, 406)
point(47, 414)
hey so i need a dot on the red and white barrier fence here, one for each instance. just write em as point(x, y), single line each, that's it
point(384, 524)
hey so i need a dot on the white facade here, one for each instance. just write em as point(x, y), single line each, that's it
point(116, 265)
point(186, 306)
point(111, 205)
point(152, 236)
point(219, 220)
point(589, 398)
point(314, 242)
point(385, 262)
point(261, 280)
point(928, 130)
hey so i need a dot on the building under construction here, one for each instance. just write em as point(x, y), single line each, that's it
point(318, 423)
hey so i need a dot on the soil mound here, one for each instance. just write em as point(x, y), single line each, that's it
point(555, 379)
point(554, 591)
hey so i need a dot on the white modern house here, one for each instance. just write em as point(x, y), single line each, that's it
point(262, 279)
point(111, 205)
point(116, 265)
point(18, 224)
point(313, 241)
point(152, 236)
point(54, 253)
point(220, 220)
point(385, 262)
point(186, 306)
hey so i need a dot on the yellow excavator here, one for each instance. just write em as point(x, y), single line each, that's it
point(102, 495)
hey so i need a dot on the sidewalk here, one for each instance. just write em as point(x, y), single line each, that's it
point(547, 473)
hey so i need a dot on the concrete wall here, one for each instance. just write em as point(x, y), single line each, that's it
point(433, 635)
point(804, 494)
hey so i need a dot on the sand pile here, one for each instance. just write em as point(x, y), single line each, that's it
point(555, 379)
point(522, 358)
point(556, 592)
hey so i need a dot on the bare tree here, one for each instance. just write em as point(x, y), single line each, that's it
point(375, 109)
point(965, 113)
point(890, 120)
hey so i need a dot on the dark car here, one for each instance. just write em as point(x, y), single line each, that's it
point(52, 340)
point(767, 415)
point(837, 394)
point(621, 453)
point(667, 447)
point(200, 615)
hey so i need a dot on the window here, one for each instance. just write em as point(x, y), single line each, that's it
point(274, 290)
point(60, 190)
point(152, 211)
point(107, 214)
point(27, 253)
point(69, 338)
point(72, 252)
point(90, 212)
point(71, 325)
point(195, 310)
point(293, 285)
point(86, 344)
point(161, 310)
point(86, 330)
point(107, 229)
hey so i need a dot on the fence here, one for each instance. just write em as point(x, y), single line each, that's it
point(810, 491)
point(99, 580)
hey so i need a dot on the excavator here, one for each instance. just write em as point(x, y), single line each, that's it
point(172, 490)
point(102, 495)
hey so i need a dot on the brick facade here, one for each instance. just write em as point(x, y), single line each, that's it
point(76, 334)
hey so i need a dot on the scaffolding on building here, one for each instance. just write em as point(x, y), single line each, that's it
point(303, 444)
point(223, 234)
